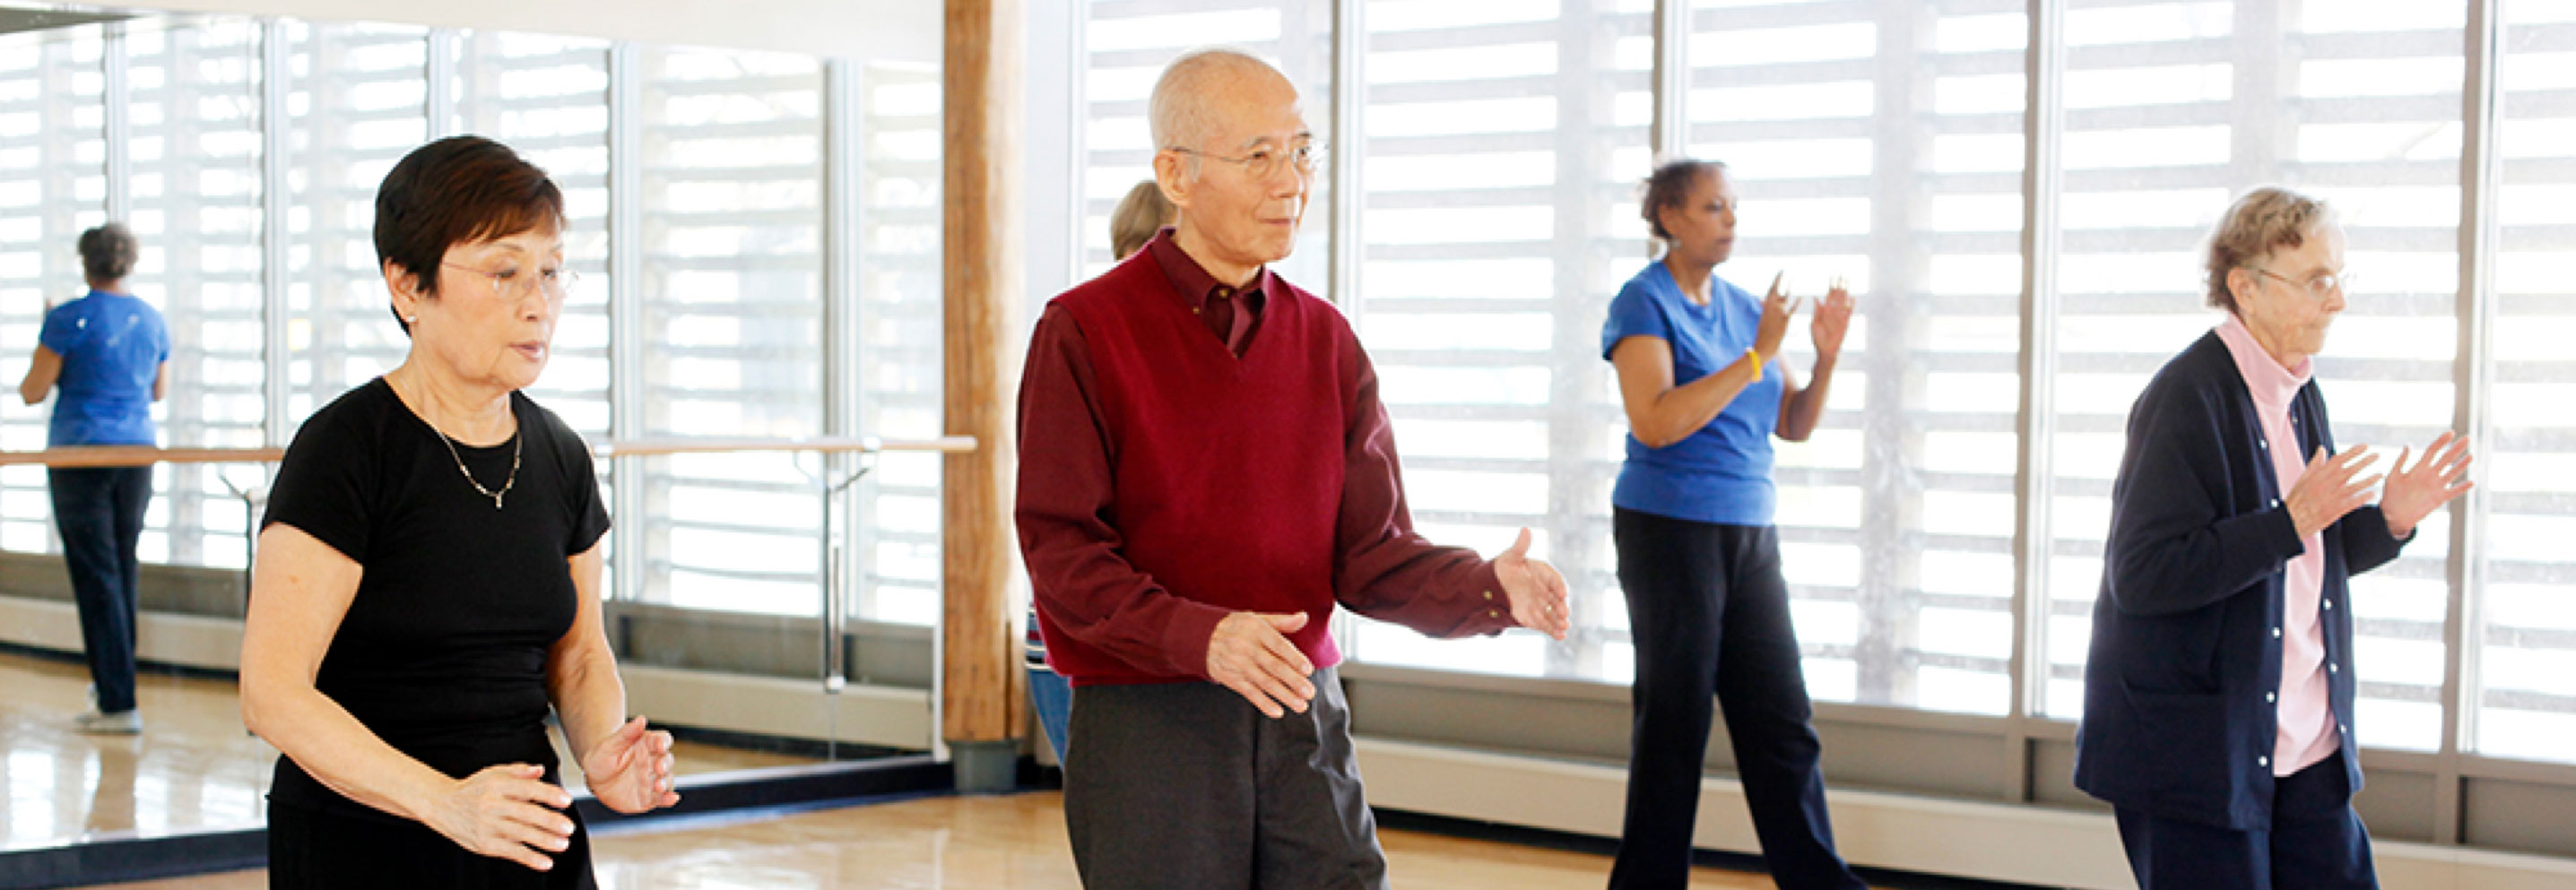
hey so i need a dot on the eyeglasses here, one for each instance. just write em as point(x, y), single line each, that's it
point(2318, 288)
point(556, 283)
point(1264, 162)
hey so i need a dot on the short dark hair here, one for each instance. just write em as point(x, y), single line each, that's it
point(108, 252)
point(458, 190)
point(1669, 186)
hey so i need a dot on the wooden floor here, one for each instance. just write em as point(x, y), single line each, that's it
point(192, 768)
point(1011, 842)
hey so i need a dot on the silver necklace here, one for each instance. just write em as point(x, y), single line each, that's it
point(469, 474)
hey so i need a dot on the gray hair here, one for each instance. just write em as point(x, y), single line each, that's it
point(1178, 111)
point(108, 252)
point(2263, 220)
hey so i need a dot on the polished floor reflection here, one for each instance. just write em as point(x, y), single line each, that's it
point(193, 768)
point(1013, 842)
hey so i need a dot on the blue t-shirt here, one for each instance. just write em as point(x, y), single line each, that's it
point(1720, 473)
point(112, 347)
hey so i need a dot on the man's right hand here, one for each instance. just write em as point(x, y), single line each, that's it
point(1250, 654)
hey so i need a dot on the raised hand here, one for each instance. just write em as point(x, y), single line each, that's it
point(1776, 310)
point(1833, 320)
point(2327, 489)
point(1537, 592)
point(508, 812)
point(2415, 492)
point(630, 770)
point(1250, 654)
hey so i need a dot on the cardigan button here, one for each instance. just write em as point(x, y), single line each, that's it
point(2329, 604)
point(1489, 594)
point(2333, 668)
point(2276, 633)
point(2260, 760)
point(2271, 698)
point(1491, 613)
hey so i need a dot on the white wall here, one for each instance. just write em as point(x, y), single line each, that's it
point(871, 29)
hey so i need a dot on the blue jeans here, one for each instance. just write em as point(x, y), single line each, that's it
point(1052, 696)
point(100, 513)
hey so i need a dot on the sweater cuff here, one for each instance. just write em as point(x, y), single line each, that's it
point(1490, 609)
point(1185, 639)
point(2281, 533)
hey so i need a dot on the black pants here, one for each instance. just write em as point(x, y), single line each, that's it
point(1709, 612)
point(316, 850)
point(1184, 786)
point(2316, 842)
point(100, 514)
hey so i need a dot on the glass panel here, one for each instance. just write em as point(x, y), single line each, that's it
point(194, 139)
point(732, 292)
point(2525, 656)
point(356, 102)
point(1498, 216)
point(1883, 144)
point(53, 185)
point(900, 312)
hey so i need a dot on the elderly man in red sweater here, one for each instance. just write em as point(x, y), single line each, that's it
point(1205, 470)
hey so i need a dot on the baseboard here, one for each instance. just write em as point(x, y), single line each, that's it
point(775, 706)
point(2028, 844)
point(188, 641)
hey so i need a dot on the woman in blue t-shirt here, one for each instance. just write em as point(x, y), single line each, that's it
point(1699, 560)
point(109, 353)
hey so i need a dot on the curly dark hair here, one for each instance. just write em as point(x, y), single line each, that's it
point(1669, 186)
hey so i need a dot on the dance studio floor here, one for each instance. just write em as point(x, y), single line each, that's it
point(1010, 842)
point(193, 767)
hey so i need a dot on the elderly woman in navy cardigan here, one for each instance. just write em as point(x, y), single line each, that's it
point(2218, 700)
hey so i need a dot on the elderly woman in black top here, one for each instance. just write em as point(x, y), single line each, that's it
point(428, 575)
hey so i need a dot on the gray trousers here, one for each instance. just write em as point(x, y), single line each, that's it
point(1186, 786)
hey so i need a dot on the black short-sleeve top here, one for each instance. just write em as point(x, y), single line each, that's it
point(443, 651)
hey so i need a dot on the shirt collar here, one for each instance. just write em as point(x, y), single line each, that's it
point(1190, 281)
point(2271, 385)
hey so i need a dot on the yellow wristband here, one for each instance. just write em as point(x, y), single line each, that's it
point(1756, 357)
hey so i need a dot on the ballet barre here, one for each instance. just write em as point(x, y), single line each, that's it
point(828, 488)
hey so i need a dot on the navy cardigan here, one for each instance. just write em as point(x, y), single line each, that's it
point(2179, 690)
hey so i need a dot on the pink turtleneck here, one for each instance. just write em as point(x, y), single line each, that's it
point(2307, 722)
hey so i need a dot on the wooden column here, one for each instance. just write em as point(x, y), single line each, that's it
point(982, 692)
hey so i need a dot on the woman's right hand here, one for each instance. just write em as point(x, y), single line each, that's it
point(2327, 489)
point(1776, 311)
point(507, 812)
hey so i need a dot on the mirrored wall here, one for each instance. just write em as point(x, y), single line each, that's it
point(757, 235)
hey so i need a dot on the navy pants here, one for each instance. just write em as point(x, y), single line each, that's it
point(2316, 842)
point(100, 514)
point(1709, 612)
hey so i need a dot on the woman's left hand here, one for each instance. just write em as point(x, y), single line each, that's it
point(1833, 319)
point(630, 770)
point(2413, 493)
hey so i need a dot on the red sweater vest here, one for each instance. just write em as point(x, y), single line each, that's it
point(1229, 470)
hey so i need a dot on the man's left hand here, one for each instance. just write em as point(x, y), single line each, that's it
point(1537, 592)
